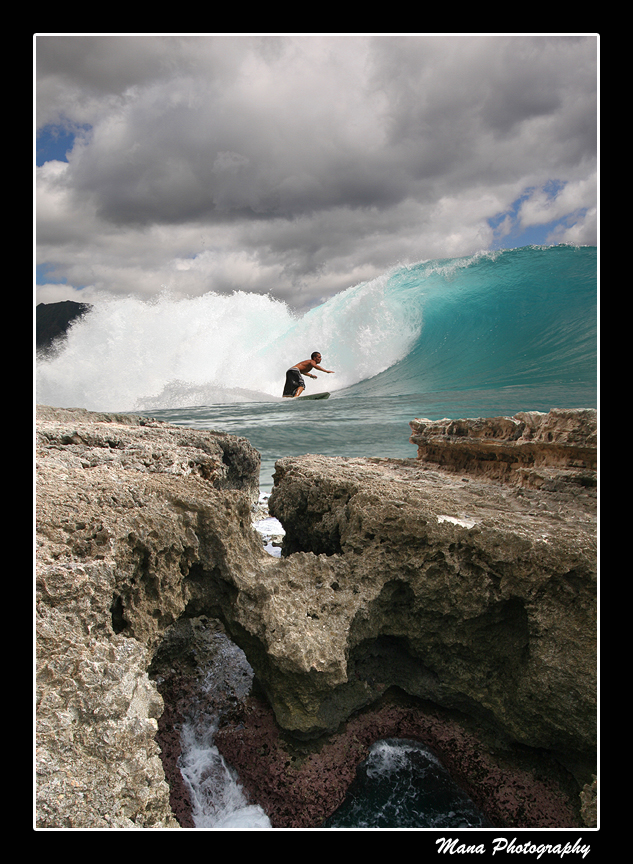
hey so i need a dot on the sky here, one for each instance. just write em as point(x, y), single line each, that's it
point(300, 165)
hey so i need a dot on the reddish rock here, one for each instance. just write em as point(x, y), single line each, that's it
point(299, 786)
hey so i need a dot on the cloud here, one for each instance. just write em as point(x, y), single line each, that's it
point(542, 207)
point(297, 164)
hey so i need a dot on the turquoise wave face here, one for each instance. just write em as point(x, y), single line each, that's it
point(517, 317)
point(495, 320)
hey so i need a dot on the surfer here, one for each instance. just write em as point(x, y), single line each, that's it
point(295, 385)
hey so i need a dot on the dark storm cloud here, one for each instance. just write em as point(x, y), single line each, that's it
point(259, 142)
point(267, 142)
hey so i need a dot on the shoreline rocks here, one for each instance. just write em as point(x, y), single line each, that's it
point(454, 591)
point(473, 595)
point(123, 506)
point(542, 451)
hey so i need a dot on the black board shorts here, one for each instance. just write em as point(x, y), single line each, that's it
point(294, 380)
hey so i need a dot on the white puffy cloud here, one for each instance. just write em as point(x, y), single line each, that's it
point(541, 208)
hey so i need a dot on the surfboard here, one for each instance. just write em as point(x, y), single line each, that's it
point(313, 396)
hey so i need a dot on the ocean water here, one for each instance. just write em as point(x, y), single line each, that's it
point(402, 784)
point(486, 335)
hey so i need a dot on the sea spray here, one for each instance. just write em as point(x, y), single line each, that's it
point(127, 350)
point(485, 336)
point(129, 354)
point(217, 799)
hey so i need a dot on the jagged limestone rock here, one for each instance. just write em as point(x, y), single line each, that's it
point(472, 594)
point(121, 507)
point(589, 803)
point(546, 451)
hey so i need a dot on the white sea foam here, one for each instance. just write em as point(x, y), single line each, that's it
point(217, 799)
point(270, 529)
point(517, 318)
point(127, 354)
point(389, 755)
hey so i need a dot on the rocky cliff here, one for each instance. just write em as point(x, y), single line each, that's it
point(458, 591)
point(542, 451)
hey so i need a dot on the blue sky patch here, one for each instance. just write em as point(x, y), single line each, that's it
point(45, 275)
point(55, 142)
point(507, 227)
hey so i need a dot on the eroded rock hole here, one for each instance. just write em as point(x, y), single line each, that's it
point(119, 624)
point(402, 784)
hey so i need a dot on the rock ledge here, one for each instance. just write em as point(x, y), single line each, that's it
point(473, 596)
